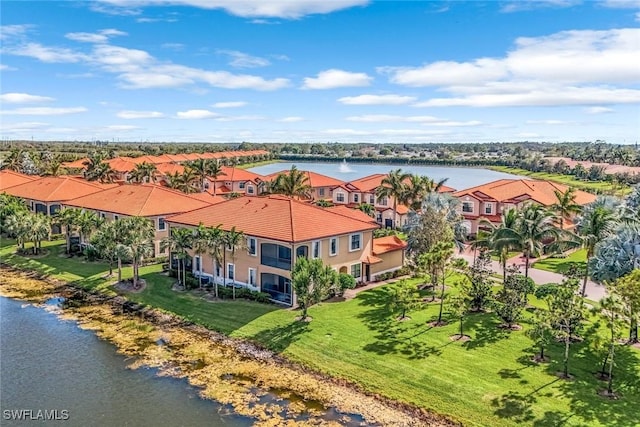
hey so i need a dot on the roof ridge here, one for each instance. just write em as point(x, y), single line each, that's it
point(146, 201)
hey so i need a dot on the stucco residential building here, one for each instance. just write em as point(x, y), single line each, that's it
point(279, 229)
point(321, 185)
point(489, 200)
point(146, 200)
point(235, 180)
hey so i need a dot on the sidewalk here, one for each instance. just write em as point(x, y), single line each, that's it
point(594, 292)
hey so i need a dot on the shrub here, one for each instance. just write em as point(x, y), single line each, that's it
point(91, 253)
point(191, 282)
point(403, 271)
point(345, 281)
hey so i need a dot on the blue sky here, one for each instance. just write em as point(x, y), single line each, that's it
point(321, 71)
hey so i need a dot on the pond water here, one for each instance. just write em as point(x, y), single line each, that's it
point(459, 177)
point(49, 364)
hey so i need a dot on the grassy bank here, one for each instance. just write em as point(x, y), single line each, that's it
point(256, 164)
point(561, 265)
point(489, 380)
point(592, 186)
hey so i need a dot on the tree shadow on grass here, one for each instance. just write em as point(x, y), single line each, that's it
point(392, 336)
point(486, 331)
point(514, 406)
point(279, 338)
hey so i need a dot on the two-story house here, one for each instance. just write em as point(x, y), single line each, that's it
point(146, 200)
point(47, 195)
point(279, 229)
point(489, 200)
point(235, 180)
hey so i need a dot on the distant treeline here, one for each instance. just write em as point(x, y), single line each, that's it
point(400, 160)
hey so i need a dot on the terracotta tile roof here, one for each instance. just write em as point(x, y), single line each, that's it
point(351, 213)
point(274, 217)
point(157, 160)
point(208, 197)
point(315, 180)
point(370, 259)
point(367, 184)
point(10, 178)
point(144, 159)
point(122, 164)
point(76, 164)
point(519, 190)
point(169, 168)
point(56, 189)
point(446, 189)
point(237, 174)
point(177, 157)
point(382, 245)
point(141, 200)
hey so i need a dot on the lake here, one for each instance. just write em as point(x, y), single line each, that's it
point(459, 177)
point(49, 364)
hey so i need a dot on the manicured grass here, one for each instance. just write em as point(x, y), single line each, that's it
point(599, 186)
point(561, 265)
point(488, 381)
point(256, 164)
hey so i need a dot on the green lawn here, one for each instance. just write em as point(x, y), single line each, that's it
point(599, 186)
point(560, 265)
point(488, 381)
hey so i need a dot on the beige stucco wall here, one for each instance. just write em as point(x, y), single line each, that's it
point(390, 261)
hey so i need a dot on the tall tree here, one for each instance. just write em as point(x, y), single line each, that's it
point(611, 309)
point(479, 291)
point(511, 300)
point(393, 186)
point(200, 168)
point(541, 332)
point(235, 241)
point(367, 209)
point(143, 172)
point(216, 247)
point(311, 281)
point(68, 219)
point(508, 220)
point(402, 298)
point(139, 241)
point(566, 206)
point(627, 290)
point(178, 242)
point(214, 171)
point(294, 183)
point(437, 260)
point(200, 241)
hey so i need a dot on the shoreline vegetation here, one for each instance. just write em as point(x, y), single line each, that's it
point(255, 381)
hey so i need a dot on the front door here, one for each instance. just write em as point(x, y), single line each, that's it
point(367, 272)
point(388, 223)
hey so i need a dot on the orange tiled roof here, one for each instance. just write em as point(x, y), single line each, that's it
point(9, 178)
point(56, 189)
point(519, 190)
point(237, 174)
point(169, 168)
point(367, 184)
point(76, 164)
point(122, 164)
point(446, 189)
point(370, 259)
point(382, 245)
point(274, 217)
point(141, 200)
point(351, 213)
point(314, 179)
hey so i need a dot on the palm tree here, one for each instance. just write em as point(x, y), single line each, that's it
point(139, 241)
point(489, 239)
point(186, 181)
point(143, 172)
point(10, 205)
point(534, 226)
point(566, 206)
point(87, 222)
point(19, 225)
point(200, 169)
point(367, 208)
point(234, 241)
point(595, 223)
point(295, 184)
point(178, 242)
point(214, 170)
point(393, 186)
point(200, 241)
point(216, 247)
point(68, 218)
point(13, 161)
point(102, 173)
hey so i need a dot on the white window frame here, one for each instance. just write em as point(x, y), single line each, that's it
point(359, 265)
point(164, 222)
point(231, 268)
point(489, 207)
point(339, 196)
point(242, 185)
point(356, 198)
point(102, 215)
point(250, 276)
point(250, 189)
point(372, 199)
point(383, 201)
point(468, 202)
point(321, 192)
point(337, 241)
point(116, 217)
point(351, 242)
point(255, 246)
point(314, 244)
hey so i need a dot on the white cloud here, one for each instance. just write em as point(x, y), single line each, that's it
point(229, 104)
point(44, 111)
point(538, 71)
point(383, 132)
point(238, 118)
point(23, 98)
point(525, 5)
point(333, 78)
point(251, 8)
point(621, 4)
point(23, 127)
point(244, 60)
point(45, 53)
point(121, 128)
point(4, 67)
point(130, 114)
point(548, 122)
point(101, 36)
point(598, 110)
point(425, 120)
point(291, 119)
point(172, 46)
point(376, 100)
point(13, 31)
point(197, 114)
